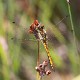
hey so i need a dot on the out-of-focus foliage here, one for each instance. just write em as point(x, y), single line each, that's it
point(77, 78)
point(18, 55)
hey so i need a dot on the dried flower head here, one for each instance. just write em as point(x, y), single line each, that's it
point(42, 69)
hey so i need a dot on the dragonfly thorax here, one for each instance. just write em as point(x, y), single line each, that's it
point(38, 30)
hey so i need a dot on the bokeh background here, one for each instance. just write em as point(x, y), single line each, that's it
point(18, 54)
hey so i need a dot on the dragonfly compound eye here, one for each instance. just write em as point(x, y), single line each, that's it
point(36, 22)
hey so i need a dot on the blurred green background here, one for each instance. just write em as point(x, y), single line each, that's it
point(18, 57)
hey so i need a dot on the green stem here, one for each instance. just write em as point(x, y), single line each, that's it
point(74, 36)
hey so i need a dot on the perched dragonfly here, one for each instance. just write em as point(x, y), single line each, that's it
point(38, 30)
point(40, 33)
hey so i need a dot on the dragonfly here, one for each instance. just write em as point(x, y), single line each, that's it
point(37, 29)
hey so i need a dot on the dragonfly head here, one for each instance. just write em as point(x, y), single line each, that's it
point(36, 22)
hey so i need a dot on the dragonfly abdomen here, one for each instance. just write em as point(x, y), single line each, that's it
point(49, 57)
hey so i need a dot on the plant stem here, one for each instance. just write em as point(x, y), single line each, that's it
point(38, 54)
point(73, 31)
point(38, 76)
